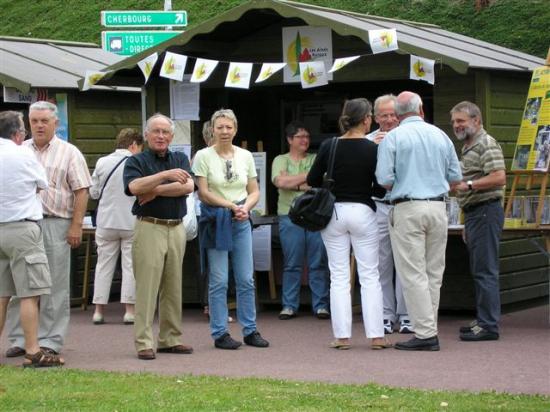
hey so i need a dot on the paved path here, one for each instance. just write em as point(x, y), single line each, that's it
point(518, 363)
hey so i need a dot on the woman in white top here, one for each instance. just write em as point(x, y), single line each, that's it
point(115, 226)
point(229, 190)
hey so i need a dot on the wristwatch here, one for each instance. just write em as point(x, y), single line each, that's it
point(470, 185)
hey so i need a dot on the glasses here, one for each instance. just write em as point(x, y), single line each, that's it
point(301, 136)
point(164, 132)
point(228, 170)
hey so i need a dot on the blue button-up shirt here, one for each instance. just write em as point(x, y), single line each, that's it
point(418, 160)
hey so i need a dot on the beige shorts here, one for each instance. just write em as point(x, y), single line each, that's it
point(24, 268)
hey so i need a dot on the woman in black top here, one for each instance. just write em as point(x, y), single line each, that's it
point(353, 224)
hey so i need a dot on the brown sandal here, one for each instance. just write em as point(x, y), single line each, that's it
point(42, 360)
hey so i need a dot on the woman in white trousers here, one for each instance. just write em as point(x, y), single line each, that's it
point(353, 224)
point(115, 226)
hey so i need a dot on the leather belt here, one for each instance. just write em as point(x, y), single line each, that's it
point(409, 199)
point(469, 208)
point(157, 221)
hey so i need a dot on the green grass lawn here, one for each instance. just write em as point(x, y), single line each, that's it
point(69, 389)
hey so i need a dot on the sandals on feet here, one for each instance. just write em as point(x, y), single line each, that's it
point(42, 360)
point(384, 345)
point(341, 345)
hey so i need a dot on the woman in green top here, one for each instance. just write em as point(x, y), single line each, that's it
point(228, 188)
point(300, 246)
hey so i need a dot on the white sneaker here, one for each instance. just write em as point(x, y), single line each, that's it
point(128, 319)
point(405, 326)
point(98, 319)
point(286, 313)
point(388, 327)
point(322, 314)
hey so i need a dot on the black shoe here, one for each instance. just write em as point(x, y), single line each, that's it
point(430, 344)
point(477, 333)
point(255, 339)
point(226, 342)
point(465, 329)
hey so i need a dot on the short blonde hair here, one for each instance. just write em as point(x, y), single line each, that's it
point(227, 113)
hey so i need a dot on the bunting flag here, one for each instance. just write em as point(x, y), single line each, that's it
point(202, 70)
point(339, 63)
point(422, 69)
point(313, 74)
point(146, 65)
point(92, 77)
point(383, 40)
point(173, 66)
point(239, 75)
point(268, 70)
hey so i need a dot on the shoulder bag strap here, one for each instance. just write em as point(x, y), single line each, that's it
point(328, 181)
point(109, 176)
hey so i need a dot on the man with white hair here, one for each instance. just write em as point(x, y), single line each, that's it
point(480, 196)
point(395, 309)
point(418, 162)
point(161, 180)
point(64, 205)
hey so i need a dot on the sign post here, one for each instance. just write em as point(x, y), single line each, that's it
point(128, 43)
point(143, 18)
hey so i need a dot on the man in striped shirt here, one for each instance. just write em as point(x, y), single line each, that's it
point(480, 197)
point(64, 205)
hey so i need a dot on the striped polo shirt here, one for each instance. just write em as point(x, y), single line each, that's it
point(480, 159)
point(66, 170)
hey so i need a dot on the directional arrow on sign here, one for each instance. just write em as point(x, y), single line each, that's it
point(179, 18)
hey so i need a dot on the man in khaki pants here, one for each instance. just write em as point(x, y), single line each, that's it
point(417, 161)
point(160, 180)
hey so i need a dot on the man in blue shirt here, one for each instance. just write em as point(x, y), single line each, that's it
point(417, 161)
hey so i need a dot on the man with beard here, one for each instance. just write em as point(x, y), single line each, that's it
point(480, 196)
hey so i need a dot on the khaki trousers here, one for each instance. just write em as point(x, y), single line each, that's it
point(157, 255)
point(418, 231)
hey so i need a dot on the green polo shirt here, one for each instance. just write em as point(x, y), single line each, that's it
point(285, 163)
point(480, 159)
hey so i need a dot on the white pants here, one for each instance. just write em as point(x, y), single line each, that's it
point(354, 224)
point(418, 231)
point(111, 242)
point(394, 303)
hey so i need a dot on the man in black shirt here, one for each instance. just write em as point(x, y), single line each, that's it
point(160, 180)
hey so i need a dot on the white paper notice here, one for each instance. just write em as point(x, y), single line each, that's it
point(261, 247)
point(184, 100)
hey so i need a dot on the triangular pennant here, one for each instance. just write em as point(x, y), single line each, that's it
point(92, 77)
point(313, 74)
point(239, 75)
point(202, 70)
point(268, 70)
point(422, 69)
point(339, 63)
point(146, 65)
point(383, 40)
point(173, 66)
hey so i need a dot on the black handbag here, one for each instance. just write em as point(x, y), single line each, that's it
point(94, 212)
point(313, 209)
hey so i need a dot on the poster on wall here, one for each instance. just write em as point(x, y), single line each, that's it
point(533, 144)
point(260, 160)
point(62, 130)
point(304, 44)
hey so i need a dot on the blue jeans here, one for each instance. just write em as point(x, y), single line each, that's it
point(483, 226)
point(300, 247)
point(243, 270)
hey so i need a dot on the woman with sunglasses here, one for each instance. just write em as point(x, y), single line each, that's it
point(228, 189)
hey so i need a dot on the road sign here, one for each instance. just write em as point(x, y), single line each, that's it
point(143, 18)
point(128, 43)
